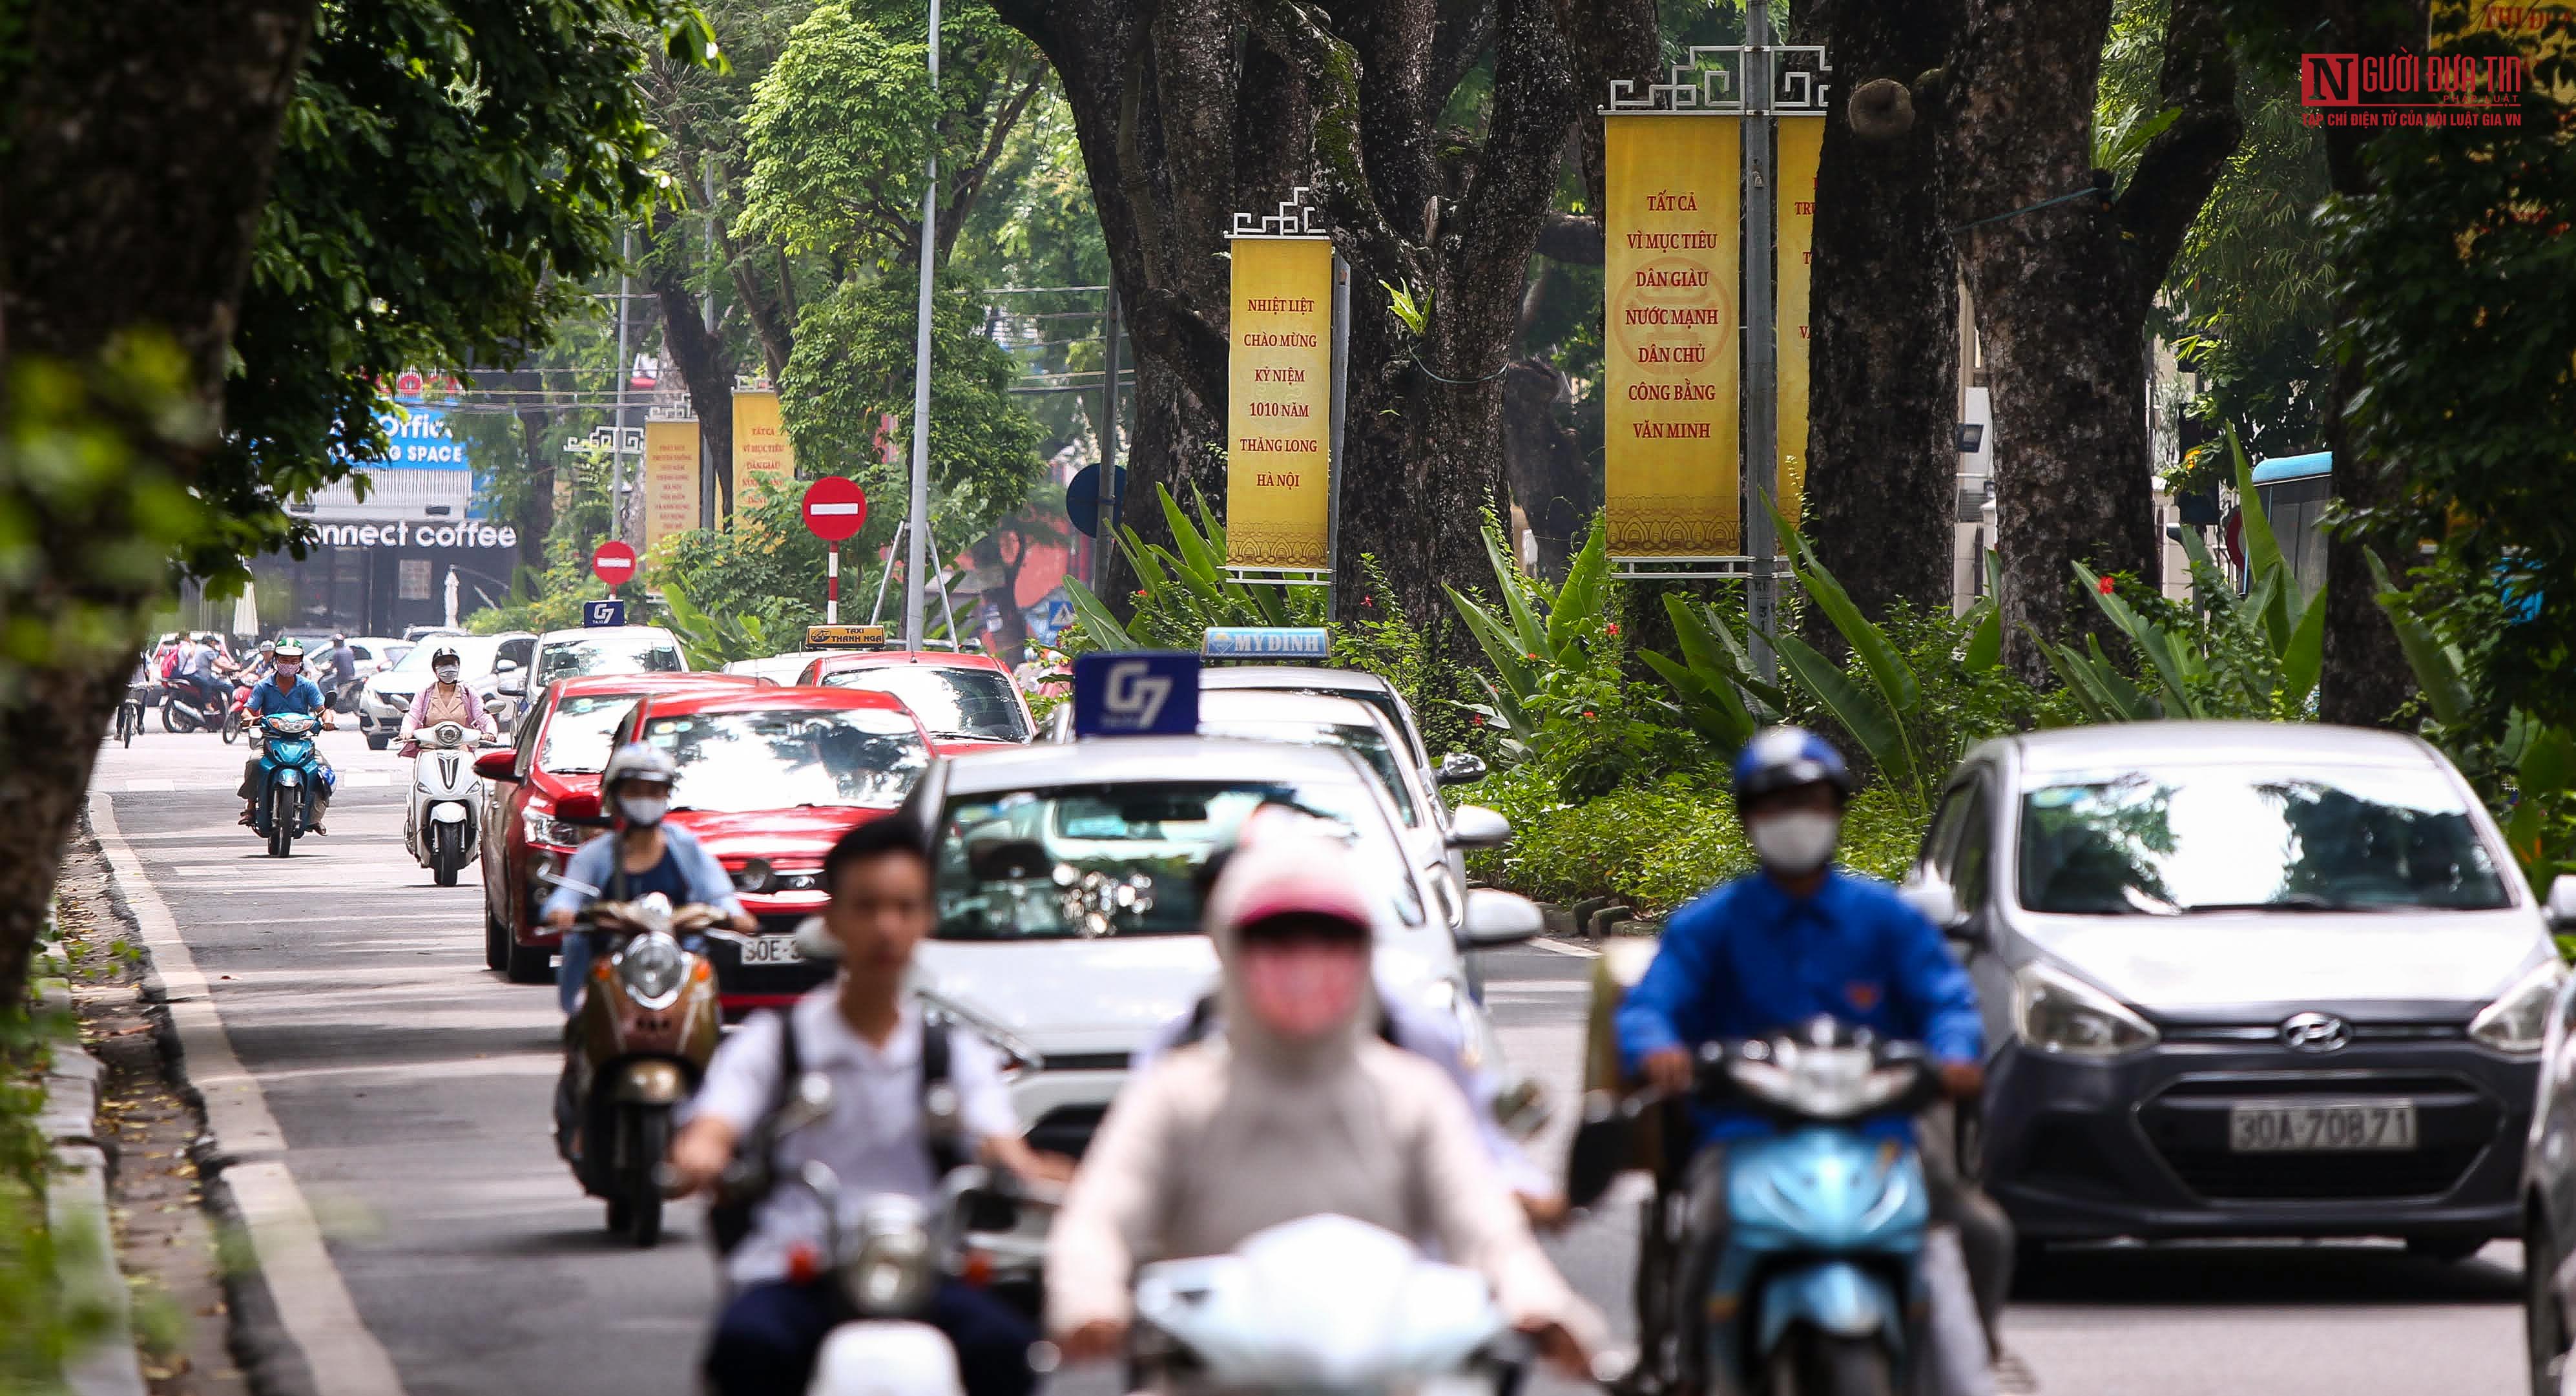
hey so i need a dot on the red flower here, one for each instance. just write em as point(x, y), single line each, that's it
point(1140, 591)
point(1587, 712)
point(1614, 627)
point(1365, 601)
point(1531, 655)
point(2108, 586)
point(1480, 719)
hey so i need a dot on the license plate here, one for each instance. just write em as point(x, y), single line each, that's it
point(771, 950)
point(2320, 1127)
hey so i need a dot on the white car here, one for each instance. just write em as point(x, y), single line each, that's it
point(598, 649)
point(1037, 954)
point(487, 660)
point(783, 669)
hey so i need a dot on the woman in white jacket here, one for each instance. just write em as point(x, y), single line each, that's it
point(1298, 1110)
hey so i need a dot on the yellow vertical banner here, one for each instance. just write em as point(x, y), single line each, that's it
point(1802, 138)
point(762, 459)
point(1278, 421)
point(670, 479)
point(1674, 240)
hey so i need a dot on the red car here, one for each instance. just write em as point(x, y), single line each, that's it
point(563, 738)
point(768, 782)
point(967, 702)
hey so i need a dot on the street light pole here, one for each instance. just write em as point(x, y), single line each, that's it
point(1761, 424)
point(617, 444)
point(916, 538)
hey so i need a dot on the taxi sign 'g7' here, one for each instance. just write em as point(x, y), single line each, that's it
point(1135, 695)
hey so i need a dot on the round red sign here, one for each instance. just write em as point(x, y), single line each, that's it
point(835, 508)
point(613, 563)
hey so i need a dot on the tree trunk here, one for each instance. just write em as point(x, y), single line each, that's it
point(1883, 457)
point(141, 141)
point(2062, 292)
point(1555, 488)
point(537, 518)
point(706, 363)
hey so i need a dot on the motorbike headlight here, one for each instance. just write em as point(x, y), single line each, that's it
point(652, 968)
point(2060, 1014)
point(891, 1270)
point(1827, 1083)
point(2518, 1021)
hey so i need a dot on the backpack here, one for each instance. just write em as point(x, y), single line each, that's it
point(753, 1174)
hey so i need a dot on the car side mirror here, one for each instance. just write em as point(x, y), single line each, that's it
point(500, 763)
point(1461, 768)
point(582, 810)
point(2562, 903)
point(1496, 918)
point(1937, 902)
point(513, 684)
point(505, 666)
point(1474, 826)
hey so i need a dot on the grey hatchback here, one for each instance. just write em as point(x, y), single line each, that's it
point(2243, 979)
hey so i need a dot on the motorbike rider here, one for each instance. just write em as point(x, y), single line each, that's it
point(344, 666)
point(1299, 1110)
point(1797, 939)
point(638, 857)
point(261, 667)
point(288, 691)
point(867, 1034)
point(446, 699)
point(198, 661)
point(1403, 1022)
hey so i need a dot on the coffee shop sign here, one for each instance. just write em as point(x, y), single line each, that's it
point(409, 535)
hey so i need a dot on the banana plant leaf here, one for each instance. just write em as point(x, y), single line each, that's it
point(1501, 646)
point(1578, 602)
point(1862, 713)
point(2304, 661)
point(2437, 668)
point(1097, 623)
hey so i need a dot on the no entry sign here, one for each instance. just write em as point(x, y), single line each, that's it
point(835, 508)
point(613, 563)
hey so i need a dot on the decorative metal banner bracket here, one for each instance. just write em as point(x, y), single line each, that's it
point(1295, 219)
point(1686, 569)
point(1709, 81)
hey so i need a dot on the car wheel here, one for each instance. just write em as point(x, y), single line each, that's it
point(2544, 1324)
point(530, 964)
point(496, 940)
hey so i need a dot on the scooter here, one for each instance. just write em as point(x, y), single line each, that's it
point(1822, 1289)
point(237, 717)
point(1322, 1306)
point(290, 788)
point(438, 822)
point(637, 1047)
point(187, 708)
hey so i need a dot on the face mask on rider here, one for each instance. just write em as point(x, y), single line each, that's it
point(1301, 989)
point(1795, 842)
point(447, 673)
point(289, 668)
point(644, 809)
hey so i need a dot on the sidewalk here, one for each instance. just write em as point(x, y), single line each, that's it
point(76, 1204)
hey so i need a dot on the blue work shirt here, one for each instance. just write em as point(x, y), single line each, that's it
point(1749, 959)
point(269, 698)
point(699, 877)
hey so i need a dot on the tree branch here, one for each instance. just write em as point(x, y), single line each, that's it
point(1332, 72)
point(970, 180)
point(2179, 166)
point(1169, 327)
point(1462, 34)
point(1514, 182)
point(1572, 239)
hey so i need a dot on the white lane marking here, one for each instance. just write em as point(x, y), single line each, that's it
point(1551, 943)
point(312, 1300)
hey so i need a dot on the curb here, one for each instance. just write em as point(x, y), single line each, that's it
point(76, 1202)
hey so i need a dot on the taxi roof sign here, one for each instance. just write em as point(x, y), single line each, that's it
point(1147, 693)
point(1266, 642)
point(845, 637)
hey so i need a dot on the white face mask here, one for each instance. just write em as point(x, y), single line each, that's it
point(447, 673)
point(1796, 843)
point(644, 809)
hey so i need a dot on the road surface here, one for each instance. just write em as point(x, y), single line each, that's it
point(409, 1090)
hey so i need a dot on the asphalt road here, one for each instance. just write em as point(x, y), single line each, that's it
point(409, 1087)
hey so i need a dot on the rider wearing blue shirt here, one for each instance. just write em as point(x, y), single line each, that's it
point(287, 691)
point(1779, 947)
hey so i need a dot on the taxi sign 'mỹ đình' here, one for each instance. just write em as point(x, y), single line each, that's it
point(1266, 642)
point(1144, 694)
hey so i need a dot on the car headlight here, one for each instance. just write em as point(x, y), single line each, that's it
point(652, 967)
point(752, 876)
point(2061, 1014)
point(2518, 1021)
point(542, 827)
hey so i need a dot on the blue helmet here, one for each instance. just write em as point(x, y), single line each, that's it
point(1782, 758)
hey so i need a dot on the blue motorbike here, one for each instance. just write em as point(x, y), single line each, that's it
point(1820, 1290)
point(292, 781)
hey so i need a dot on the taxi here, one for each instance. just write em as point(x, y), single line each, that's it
point(768, 780)
point(557, 749)
point(967, 700)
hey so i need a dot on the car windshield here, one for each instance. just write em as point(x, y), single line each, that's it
point(974, 704)
point(1019, 865)
point(786, 758)
point(2232, 839)
point(1365, 742)
point(608, 654)
point(473, 655)
point(576, 740)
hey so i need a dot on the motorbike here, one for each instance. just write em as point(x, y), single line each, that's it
point(1822, 1288)
point(438, 822)
point(637, 1047)
point(289, 790)
point(187, 708)
point(237, 717)
point(129, 712)
point(1322, 1306)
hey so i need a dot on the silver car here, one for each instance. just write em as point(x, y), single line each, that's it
point(2243, 979)
point(487, 661)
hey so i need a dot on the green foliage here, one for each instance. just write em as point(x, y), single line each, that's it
point(1183, 590)
point(712, 641)
point(47, 1323)
point(1548, 647)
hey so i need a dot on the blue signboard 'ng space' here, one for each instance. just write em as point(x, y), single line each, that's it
point(1149, 694)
